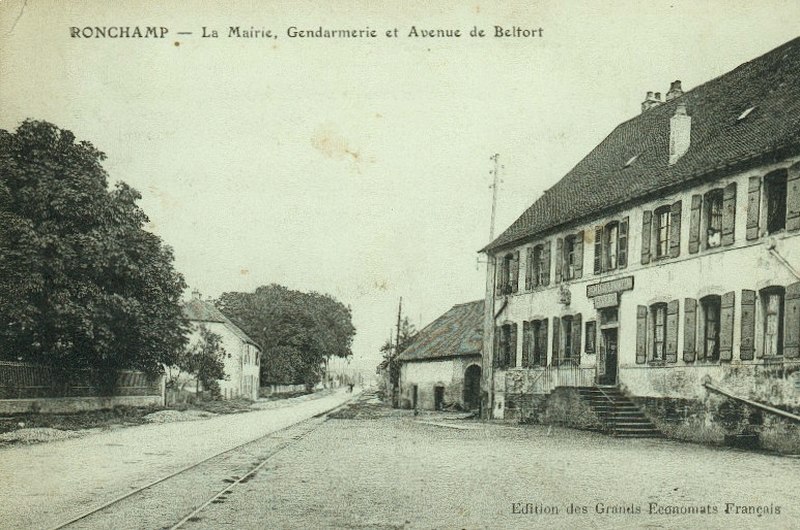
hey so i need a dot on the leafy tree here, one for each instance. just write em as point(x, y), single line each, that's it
point(297, 331)
point(82, 284)
point(205, 361)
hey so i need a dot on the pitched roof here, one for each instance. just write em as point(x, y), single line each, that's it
point(457, 332)
point(720, 142)
point(197, 310)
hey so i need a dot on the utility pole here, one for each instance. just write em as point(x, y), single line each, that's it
point(399, 311)
point(495, 185)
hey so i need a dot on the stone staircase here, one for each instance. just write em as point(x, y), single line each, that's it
point(621, 416)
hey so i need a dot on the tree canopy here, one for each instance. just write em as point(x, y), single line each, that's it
point(82, 284)
point(297, 331)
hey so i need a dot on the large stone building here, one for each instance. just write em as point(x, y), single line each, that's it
point(665, 264)
point(442, 367)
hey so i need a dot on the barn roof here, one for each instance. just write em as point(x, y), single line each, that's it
point(456, 333)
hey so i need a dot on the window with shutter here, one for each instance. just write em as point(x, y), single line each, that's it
point(541, 342)
point(662, 222)
point(647, 218)
point(775, 184)
point(689, 329)
point(610, 245)
point(567, 339)
point(675, 230)
point(512, 339)
point(529, 268)
point(526, 343)
point(748, 344)
point(578, 266)
point(727, 310)
point(497, 353)
point(772, 309)
point(753, 207)
point(622, 253)
point(514, 281)
point(793, 198)
point(694, 224)
point(559, 259)
point(598, 249)
point(591, 336)
point(545, 266)
point(712, 236)
point(791, 324)
point(728, 214)
point(641, 334)
point(710, 307)
point(556, 340)
point(576, 339)
point(658, 313)
point(570, 257)
point(671, 355)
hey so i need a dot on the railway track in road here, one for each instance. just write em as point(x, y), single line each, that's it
point(179, 498)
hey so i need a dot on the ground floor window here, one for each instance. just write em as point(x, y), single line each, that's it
point(710, 307)
point(658, 313)
point(772, 303)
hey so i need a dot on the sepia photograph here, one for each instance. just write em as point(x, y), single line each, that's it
point(384, 265)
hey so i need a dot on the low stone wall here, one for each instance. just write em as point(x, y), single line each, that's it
point(75, 404)
point(563, 407)
point(717, 418)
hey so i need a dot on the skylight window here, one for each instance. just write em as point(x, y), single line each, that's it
point(744, 114)
point(630, 162)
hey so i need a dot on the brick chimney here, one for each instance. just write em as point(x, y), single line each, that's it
point(651, 100)
point(675, 90)
point(680, 132)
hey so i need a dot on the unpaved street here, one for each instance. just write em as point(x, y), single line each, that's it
point(404, 472)
point(43, 485)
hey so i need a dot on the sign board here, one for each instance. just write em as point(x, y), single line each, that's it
point(606, 300)
point(614, 286)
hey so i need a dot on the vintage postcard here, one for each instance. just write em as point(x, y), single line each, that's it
point(356, 264)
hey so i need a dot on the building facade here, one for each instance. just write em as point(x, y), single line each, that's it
point(442, 367)
point(666, 261)
point(242, 356)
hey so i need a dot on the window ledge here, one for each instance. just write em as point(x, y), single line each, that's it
point(774, 359)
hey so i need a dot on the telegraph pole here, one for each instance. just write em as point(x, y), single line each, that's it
point(495, 185)
point(397, 337)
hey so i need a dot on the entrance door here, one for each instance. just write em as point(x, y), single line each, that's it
point(472, 387)
point(414, 397)
point(438, 397)
point(609, 357)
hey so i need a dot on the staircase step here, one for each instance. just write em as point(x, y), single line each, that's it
point(621, 416)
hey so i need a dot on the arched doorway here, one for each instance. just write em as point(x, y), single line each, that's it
point(472, 387)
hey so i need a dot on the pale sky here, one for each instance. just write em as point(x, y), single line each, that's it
point(359, 167)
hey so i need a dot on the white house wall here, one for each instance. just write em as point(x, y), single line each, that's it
point(428, 374)
point(742, 265)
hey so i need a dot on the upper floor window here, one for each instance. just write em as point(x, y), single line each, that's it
point(713, 218)
point(538, 271)
point(569, 257)
point(508, 274)
point(663, 225)
point(661, 232)
point(611, 246)
point(772, 305)
point(775, 195)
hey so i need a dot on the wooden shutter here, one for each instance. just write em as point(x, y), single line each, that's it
point(675, 230)
point(526, 344)
point(671, 355)
point(546, 259)
point(598, 249)
point(577, 331)
point(747, 346)
point(726, 314)
point(579, 254)
point(689, 329)
point(793, 198)
point(728, 213)
point(514, 273)
point(543, 332)
point(791, 322)
point(498, 275)
point(622, 249)
point(753, 207)
point(496, 357)
point(513, 349)
point(647, 232)
point(559, 259)
point(556, 339)
point(641, 334)
point(694, 224)
point(529, 281)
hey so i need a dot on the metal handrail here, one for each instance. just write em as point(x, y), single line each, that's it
point(756, 404)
